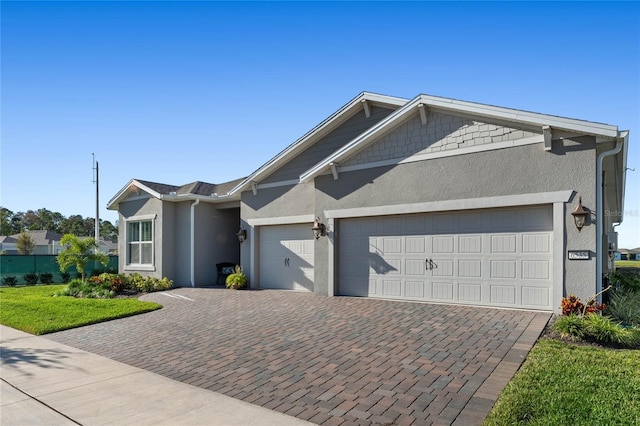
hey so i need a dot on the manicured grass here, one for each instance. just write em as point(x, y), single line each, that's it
point(36, 311)
point(627, 263)
point(561, 384)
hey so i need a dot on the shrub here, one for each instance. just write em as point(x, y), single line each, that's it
point(603, 329)
point(598, 328)
point(10, 281)
point(237, 280)
point(624, 306)
point(625, 280)
point(65, 277)
point(570, 326)
point(138, 283)
point(31, 278)
point(89, 289)
point(46, 278)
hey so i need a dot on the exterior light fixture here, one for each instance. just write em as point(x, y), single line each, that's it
point(242, 235)
point(580, 215)
point(318, 229)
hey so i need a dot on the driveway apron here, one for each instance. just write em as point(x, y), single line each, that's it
point(328, 360)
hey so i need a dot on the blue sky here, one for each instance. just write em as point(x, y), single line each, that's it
point(178, 92)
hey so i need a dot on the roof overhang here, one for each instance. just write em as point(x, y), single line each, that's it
point(605, 132)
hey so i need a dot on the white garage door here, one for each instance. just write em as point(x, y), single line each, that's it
point(497, 257)
point(286, 257)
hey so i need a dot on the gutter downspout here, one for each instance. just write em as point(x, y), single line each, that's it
point(193, 241)
point(599, 212)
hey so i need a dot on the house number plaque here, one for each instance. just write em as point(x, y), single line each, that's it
point(579, 255)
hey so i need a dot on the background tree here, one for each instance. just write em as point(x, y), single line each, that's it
point(108, 231)
point(73, 225)
point(79, 253)
point(5, 221)
point(25, 243)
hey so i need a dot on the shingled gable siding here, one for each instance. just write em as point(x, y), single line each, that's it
point(336, 139)
point(443, 132)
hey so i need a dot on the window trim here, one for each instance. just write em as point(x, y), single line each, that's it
point(140, 266)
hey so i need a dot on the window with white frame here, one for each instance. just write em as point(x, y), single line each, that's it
point(140, 242)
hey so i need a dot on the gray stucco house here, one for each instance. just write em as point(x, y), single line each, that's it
point(423, 199)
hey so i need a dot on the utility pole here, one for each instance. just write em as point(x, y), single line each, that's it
point(96, 181)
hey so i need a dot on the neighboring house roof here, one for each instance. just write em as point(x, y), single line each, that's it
point(461, 107)
point(42, 238)
point(5, 239)
point(629, 251)
point(206, 191)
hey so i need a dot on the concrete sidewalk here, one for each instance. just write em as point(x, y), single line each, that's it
point(44, 382)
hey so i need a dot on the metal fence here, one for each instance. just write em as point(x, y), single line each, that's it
point(19, 265)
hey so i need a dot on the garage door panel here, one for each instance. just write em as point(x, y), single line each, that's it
point(503, 294)
point(415, 289)
point(535, 243)
point(443, 291)
point(536, 296)
point(503, 269)
point(442, 244)
point(535, 270)
point(470, 292)
point(442, 267)
point(470, 244)
point(470, 268)
point(414, 267)
point(503, 243)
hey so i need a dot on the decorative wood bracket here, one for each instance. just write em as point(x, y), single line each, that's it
point(334, 170)
point(546, 131)
point(254, 188)
point(367, 108)
point(423, 113)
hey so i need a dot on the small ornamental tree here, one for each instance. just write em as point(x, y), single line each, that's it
point(25, 244)
point(79, 253)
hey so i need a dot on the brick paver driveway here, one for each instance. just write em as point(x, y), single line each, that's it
point(328, 360)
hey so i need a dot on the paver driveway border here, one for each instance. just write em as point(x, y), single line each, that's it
point(329, 360)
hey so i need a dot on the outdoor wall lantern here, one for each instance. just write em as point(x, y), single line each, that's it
point(318, 228)
point(580, 215)
point(241, 234)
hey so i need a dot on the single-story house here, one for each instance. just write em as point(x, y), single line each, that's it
point(628, 254)
point(424, 199)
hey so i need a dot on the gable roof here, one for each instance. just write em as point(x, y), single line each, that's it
point(461, 107)
point(209, 192)
point(312, 136)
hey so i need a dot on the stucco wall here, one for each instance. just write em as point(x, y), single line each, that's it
point(138, 207)
point(518, 170)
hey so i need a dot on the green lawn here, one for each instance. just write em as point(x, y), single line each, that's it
point(628, 264)
point(36, 311)
point(562, 384)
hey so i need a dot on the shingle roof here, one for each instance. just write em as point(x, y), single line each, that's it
point(195, 188)
point(42, 238)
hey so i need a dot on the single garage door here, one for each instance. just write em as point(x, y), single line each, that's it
point(496, 257)
point(286, 257)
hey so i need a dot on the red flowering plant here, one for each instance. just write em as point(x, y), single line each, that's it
point(573, 305)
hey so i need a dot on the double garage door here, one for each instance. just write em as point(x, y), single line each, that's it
point(497, 257)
